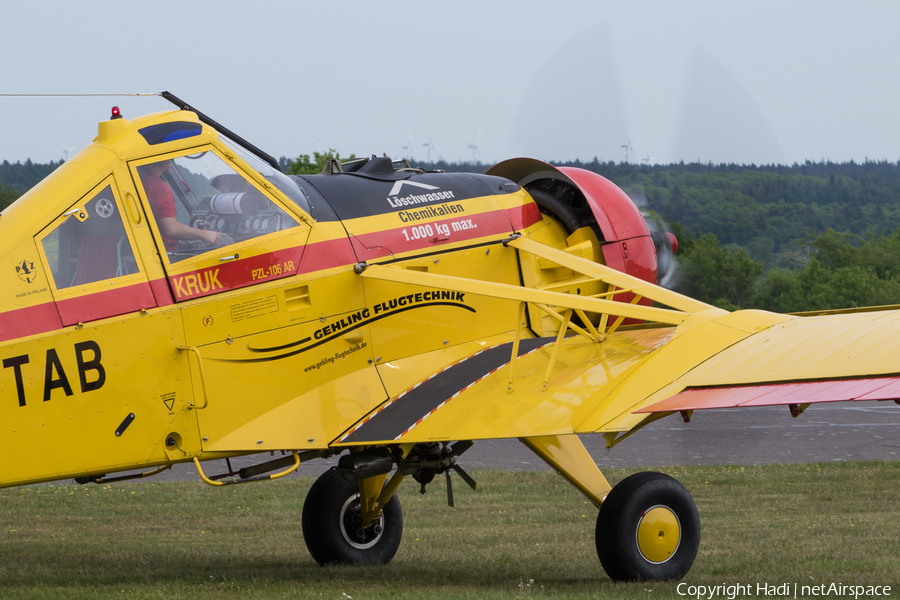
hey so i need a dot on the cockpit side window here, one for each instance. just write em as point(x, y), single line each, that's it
point(200, 203)
point(90, 245)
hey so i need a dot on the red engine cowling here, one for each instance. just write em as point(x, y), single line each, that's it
point(579, 198)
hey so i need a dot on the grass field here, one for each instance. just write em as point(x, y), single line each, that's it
point(520, 534)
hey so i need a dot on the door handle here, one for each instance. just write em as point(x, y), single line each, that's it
point(202, 375)
point(133, 209)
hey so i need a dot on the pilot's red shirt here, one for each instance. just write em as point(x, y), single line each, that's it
point(162, 201)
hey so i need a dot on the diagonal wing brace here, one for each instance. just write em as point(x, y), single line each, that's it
point(682, 306)
point(518, 293)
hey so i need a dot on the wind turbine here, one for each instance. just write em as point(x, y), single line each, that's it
point(429, 145)
point(409, 145)
point(476, 147)
point(647, 161)
point(66, 152)
point(628, 149)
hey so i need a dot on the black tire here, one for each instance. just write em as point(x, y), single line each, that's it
point(626, 516)
point(329, 530)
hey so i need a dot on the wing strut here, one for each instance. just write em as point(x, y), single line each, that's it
point(603, 304)
point(530, 295)
point(626, 283)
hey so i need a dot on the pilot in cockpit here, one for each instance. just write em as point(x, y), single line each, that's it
point(162, 202)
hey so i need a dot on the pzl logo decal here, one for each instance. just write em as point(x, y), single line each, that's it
point(187, 286)
point(25, 271)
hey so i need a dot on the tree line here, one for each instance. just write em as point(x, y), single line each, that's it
point(831, 270)
point(763, 209)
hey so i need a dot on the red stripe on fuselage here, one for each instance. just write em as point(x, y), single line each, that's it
point(327, 255)
point(235, 274)
point(41, 318)
point(50, 316)
point(161, 292)
point(30, 320)
point(107, 303)
point(418, 236)
point(260, 269)
point(34, 320)
point(524, 216)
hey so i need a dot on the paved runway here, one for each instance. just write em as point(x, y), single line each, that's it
point(825, 432)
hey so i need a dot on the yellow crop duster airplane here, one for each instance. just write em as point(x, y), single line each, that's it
point(168, 295)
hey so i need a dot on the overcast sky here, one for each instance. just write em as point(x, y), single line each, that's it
point(743, 82)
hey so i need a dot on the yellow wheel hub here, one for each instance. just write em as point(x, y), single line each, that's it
point(658, 534)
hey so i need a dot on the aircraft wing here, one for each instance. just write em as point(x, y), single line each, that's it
point(474, 399)
point(614, 382)
point(804, 360)
point(634, 376)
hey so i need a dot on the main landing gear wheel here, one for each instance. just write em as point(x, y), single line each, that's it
point(332, 527)
point(648, 529)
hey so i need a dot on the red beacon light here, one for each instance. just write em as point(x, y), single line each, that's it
point(116, 124)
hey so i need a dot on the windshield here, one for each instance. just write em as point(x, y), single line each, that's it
point(200, 203)
point(279, 180)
